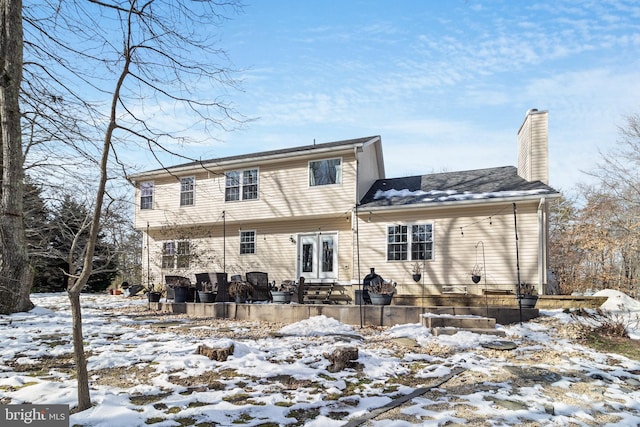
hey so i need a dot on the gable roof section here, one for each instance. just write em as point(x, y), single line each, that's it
point(231, 161)
point(454, 187)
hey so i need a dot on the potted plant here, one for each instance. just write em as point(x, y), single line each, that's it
point(183, 290)
point(240, 291)
point(527, 296)
point(153, 294)
point(476, 273)
point(417, 272)
point(206, 292)
point(381, 291)
point(282, 294)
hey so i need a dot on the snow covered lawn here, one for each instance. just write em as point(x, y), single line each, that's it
point(145, 371)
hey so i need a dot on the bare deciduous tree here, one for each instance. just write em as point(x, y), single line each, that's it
point(153, 58)
point(597, 245)
point(16, 274)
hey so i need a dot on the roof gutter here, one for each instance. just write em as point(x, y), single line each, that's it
point(457, 203)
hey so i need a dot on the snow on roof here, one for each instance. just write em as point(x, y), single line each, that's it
point(452, 195)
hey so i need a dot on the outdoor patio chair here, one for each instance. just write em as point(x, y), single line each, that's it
point(260, 282)
point(222, 285)
point(207, 278)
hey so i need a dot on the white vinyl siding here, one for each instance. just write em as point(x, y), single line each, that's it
point(282, 190)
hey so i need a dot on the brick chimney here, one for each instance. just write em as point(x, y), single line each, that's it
point(533, 146)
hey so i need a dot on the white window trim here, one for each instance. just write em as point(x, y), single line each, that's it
point(339, 181)
point(153, 192)
point(241, 185)
point(176, 253)
point(193, 191)
point(409, 241)
point(165, 255)
point(255, 242)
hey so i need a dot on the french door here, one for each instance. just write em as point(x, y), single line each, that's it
point(318, 256)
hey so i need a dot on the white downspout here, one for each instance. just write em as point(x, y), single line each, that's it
point(542, 247)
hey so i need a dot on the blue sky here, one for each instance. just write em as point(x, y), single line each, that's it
point(446, 84)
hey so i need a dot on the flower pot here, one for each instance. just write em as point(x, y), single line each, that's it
point(475, 278)
point(527, 301)
point(181, 294)
point(380, 299)
point(281, 297)
point(362, 297)
point(206, 297)
point(417, 277)
point(154, 296)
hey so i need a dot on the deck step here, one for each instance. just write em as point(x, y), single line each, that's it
point(463, 321)
point(448, 330)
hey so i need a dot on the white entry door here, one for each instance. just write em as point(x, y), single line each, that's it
point(318, 256)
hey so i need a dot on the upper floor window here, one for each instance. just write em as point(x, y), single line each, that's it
point(247, 242)
point(325, 172)
point(410, 242)
point(241, 185)
point(146, 195)
point(176, 254)
point(187, 186)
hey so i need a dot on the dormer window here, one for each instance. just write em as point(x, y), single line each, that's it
point(325, 172)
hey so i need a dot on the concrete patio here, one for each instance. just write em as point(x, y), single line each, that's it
point(469, 312)
point(377, 315)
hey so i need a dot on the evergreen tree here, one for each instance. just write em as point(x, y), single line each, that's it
point(68, 233)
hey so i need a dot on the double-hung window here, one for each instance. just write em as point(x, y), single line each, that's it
point(241, 185)
point(187, 188)
point(146, 195)
point(176, 254)
point(325, 172)
point(413, 242)
point(247, 242)
point(183, 254)
point(168, 254)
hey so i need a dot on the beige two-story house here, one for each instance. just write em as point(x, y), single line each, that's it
point(327, 212)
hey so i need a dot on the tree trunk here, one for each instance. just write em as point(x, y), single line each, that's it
point(16, 275)
point(84, 398)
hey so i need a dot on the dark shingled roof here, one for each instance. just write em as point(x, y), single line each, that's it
point(454, 186)
point(280, 152)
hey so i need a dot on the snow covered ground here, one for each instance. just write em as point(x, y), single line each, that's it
point(145, 371)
